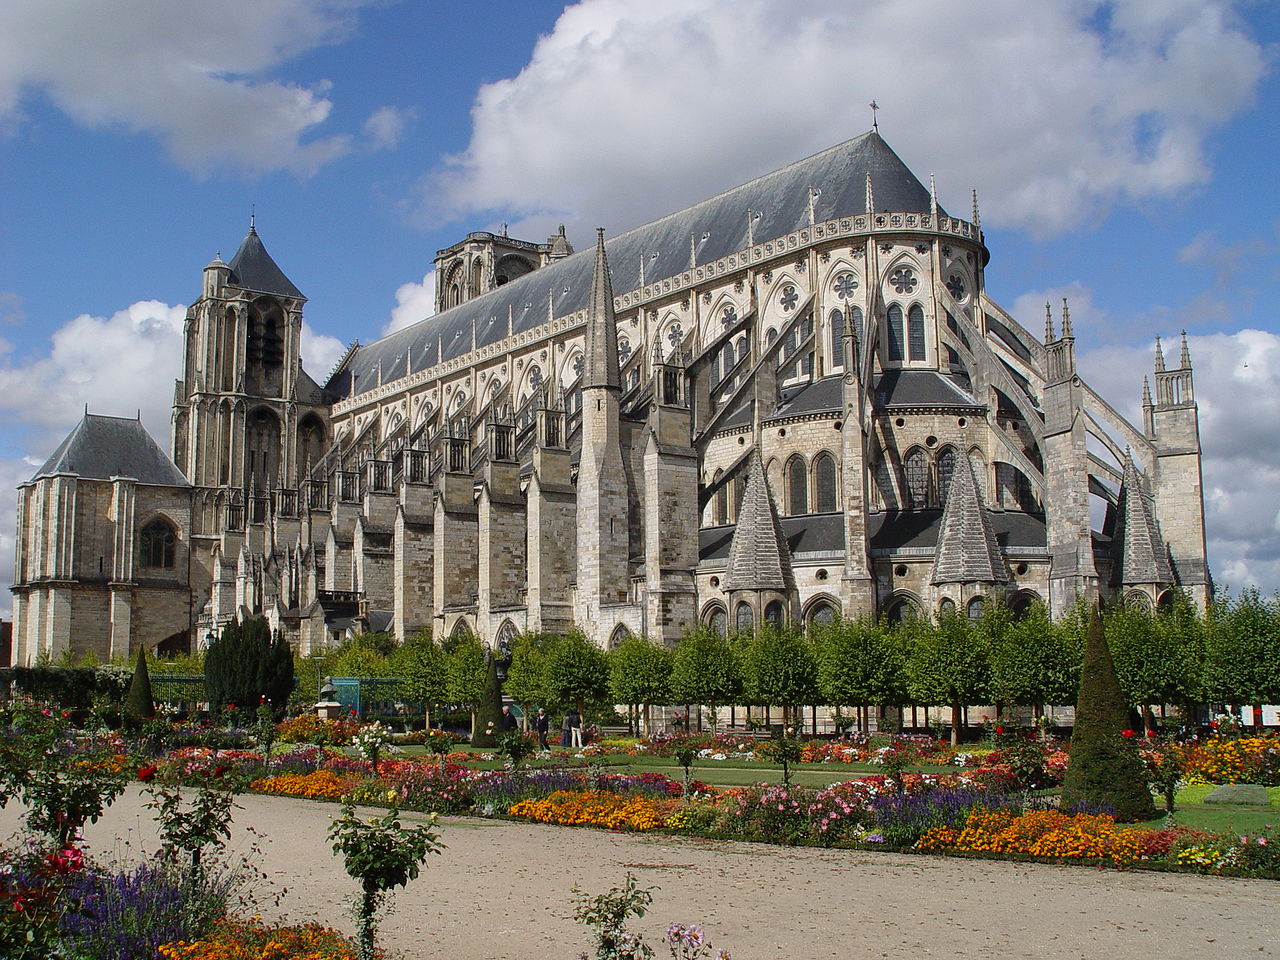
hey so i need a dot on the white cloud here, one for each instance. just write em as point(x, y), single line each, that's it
point(319, 353)
point(1237, 386)
point(191, 73)
point(628, 110)
point(1028, 309)
point(385, 127)
point(414, 302)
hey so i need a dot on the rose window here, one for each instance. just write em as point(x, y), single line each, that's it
point(955, 284)
point(845, 285)
point(903, 280)
point(789, 298)
point(675, 333)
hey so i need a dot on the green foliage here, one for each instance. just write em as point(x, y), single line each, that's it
point(1242, 655)
point(73, 688)
point(140, 703)
point(779, 668)
point(640, 672)
point(1157, 658)
point(1035, 661)
point(489, 713)
point(1105, 771)
point(420, 663)
point(525, 681)
point(246, 665)
point(464, 670)
point(514, 748)
point(859, 661)
point(946, 663)
point(575, 672)
point(607, 914)
point(705, 670)
point(187, 829)
point(382, 854)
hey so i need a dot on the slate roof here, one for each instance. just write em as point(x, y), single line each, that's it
point(253, 269)
point(100, 448)
point(967, 550)
point(1137, 549)
point(920, 388)
point(819, 396)
point(759, 558)
point(718, 225)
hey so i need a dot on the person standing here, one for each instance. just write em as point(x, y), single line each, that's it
point(575, 728)
point(509, 721)
point(564, 729)
point(543, 725)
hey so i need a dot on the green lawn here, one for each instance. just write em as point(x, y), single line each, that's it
point(1190, 810)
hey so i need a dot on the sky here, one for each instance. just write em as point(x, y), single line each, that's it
point(1124, 155)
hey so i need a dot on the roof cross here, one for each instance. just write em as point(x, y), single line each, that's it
point(875, 122)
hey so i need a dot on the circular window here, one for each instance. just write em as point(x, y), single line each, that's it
point(715, 582)
point(821, 574)
point(962, 421)
point(1020, 569)
point(930, 441)
point(742, 441)
point(900, 422)
point(782, 432)
point(900, 570)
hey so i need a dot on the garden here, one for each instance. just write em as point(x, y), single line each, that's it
point(1010, 792)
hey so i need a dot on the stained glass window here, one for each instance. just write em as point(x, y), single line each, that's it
point(824, 483)
point(903, 280)
point(156, 543)
point(798, 486)
point(915, 332)
point(845, 284)
point(836, 322)
point(789, 298)
point(946, 468)
point(916, 467)
point(894, 344)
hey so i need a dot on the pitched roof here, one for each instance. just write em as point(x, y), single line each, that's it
point(967, 548)
point(562, 287)
point(920, 388)
point(99, 448)
point(759, 558)
point(253, 269)
point(1137, 550)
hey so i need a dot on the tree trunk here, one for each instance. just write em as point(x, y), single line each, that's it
point(957, 720)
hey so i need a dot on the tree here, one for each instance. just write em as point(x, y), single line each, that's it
point(859, 662)
point(575, 672)
point(1105, 771)
point(525, 681)
point(139, 703)
point(1035, 661)
point(1157, 659)
point(420, 663)
point(778, 667)
point(705, 670)
point(946, 664)
point(465, 673)
point(488, 722)
point(640, 674)
point(1242, 656)
point(247, 665)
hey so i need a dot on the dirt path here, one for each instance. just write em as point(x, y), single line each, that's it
point(501, 892)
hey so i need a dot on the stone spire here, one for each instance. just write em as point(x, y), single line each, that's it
point(1138, 553)
point(1067, 332)
point(1184, 362)
point(759, 558)
point(967, 549)
point(1159, 356)
point(601, 368)
point(1048, 323)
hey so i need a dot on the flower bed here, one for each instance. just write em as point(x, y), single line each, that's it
point(253, 940)
point(1039, 833)
point(594, 808)
point(1235, 760)
point(320, 785)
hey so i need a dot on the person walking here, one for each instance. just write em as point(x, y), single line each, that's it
point(509, 721)
point(543, 725)
point(564, 729)
point(575, 728)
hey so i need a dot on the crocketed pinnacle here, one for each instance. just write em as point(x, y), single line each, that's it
point(967, 548)
point(1137, 550)
point(602, 326)
point(759, 558)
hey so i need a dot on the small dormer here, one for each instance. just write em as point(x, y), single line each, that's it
point(485, 261)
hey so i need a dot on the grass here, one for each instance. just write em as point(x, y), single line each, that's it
point(1190, 810)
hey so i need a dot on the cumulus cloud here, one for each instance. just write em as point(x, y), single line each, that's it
point(1237, 384)
point(193, 74)
point(414, 302)
point(1053, 110)
point(319, 353)
point(385, 127)
point(1028, 309)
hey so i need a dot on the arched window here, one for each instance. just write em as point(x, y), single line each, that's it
point(916, 467)
point(155, 545)
point(798, 486)
point(884, 484)
point(893, 342)
point(824, 483)
point(620, 633)
point(946, 469)
point(773, 613)
point(1014, 489)
point(822, 613)
point(262, 447)
point(311, 442)
point(720, 512)
point(743, 620)
point(947, 607)
point(460, 629)
point(855, 330)
point(506, 634)
point(1022, 604)
point(915, 333)
point(900, 610)
point(976, 606)
point(836, 322)
point(718, 621)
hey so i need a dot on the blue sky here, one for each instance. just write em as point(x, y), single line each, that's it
point(1124, 154)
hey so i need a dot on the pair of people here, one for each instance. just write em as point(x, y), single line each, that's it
point(571, 729)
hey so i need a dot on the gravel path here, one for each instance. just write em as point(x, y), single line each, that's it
point(501, 892)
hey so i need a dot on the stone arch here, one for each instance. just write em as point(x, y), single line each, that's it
point(915, 478)
point(506, 634)
point(772, 302)
point(744, 618)
point(946, 607)
point(822, 609)
point(797, 480)
point(715, 616)
point(262, 446)
point(461, 628)
point(1022, 603)
point(975, 607)
point(618, 634)
point(509, 267)
point(902, 605)
point(723, 315)
point(671, 334)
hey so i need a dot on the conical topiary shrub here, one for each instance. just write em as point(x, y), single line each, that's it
point(1105, 772)
point(139, 703)
point(489, 714)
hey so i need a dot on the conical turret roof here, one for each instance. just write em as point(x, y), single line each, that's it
point(253, 269)
point(967, 548)
point(602, 325)
point(1138, 553)
point(759, 557)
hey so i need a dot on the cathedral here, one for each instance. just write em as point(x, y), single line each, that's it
point(792, 401)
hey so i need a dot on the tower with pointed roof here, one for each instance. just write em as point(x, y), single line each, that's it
point(759, 582)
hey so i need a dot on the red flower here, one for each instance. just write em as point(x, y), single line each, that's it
point(1000, 731)
point(218, 772)
point(231, 706)
point(1126, 733)
point(147, 774)
point(353, 711)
